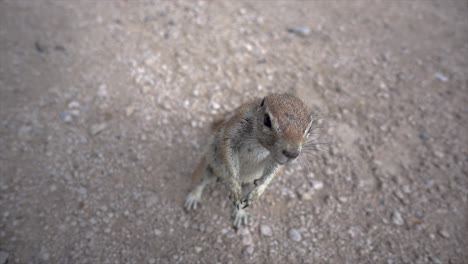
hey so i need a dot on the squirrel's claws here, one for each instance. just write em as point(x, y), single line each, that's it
point(246, 201)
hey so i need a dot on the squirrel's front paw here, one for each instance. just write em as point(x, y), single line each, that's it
point(235, 194)
point(251, 197)
point(235, 198)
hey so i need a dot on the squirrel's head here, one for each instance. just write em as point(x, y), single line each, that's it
point(283, 126)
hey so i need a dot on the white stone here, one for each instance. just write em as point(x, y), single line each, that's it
point(317, 185)
point(294, 234)
point(397, 219)
point(198, 249)
point(266, 230)
point(129, 110)
point(97, 128)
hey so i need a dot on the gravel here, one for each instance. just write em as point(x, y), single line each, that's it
point(104, 119)
point(3, 257)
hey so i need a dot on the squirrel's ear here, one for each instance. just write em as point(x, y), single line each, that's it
point(263, 102)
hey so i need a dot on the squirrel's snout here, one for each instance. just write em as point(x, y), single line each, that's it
point(291, 154)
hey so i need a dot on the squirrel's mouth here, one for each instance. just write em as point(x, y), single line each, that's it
point(281, 159)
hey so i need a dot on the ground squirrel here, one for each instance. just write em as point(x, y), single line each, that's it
point(251, 146)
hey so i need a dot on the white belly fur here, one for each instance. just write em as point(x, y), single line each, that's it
point(252, 160)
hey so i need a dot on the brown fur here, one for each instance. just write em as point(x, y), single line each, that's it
point(245, 150)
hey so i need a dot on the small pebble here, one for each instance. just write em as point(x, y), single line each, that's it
point(246, 238)
point(45, 256)
point(102, 91)
point(317, 185)
point(152, 261)
point(129, 110)
point(73, 104)
point(249, 250)
point(266, 230)
point(145, 89)
point(294, 234)
point(439, 154)
point(82, 191)
point(306, 195)
point(151, 60)
point(65, 117)
point(198, 249)
point(342, 199)
point(441, 77)
point(444, 233)
point(406, 189)
point(40, 47)
point(166, 105)
point(75, 112)
point(397, 219)
point(157, 232)
point(215, 105)
point(97, 128)
point(202, 227)
point(299, 30)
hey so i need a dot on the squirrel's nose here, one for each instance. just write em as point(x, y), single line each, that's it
point(291, 154)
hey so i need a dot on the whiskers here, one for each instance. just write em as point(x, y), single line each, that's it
point(317, 143)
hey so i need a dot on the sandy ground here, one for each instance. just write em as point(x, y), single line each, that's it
point(105, 108)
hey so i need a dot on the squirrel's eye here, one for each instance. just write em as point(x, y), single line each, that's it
point(267, 121)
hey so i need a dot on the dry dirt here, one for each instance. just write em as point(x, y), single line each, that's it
point(105, 107)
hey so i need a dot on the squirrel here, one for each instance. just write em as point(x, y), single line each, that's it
point(252, 145)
